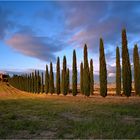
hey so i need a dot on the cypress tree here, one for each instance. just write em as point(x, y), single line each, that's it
point(86, 77)
point(136, 62)
point(126, 68)
point(67, 76)
point(58, 76)
point(103, 71)
point(91, 77)
point(28, 83)
point(35, 82)
point(51, 81)
point(74, 75)
point(42, 83)
point(81, 78)
point(38, 82)
point(64, 78)
point(118, 72)
point(46, 80)
point(32, 83)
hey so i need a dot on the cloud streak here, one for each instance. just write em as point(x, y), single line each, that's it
point(27, 43)
point(5, 22)
point(101, 19)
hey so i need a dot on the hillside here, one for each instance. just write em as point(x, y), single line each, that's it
point(26, 115)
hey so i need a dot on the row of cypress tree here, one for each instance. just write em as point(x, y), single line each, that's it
point(30, 83)
point(35, 83)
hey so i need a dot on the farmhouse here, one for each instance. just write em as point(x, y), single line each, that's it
point(3, 77)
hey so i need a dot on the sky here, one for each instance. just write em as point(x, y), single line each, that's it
point(33, 33)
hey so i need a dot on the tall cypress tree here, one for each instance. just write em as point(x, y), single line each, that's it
point(30, 82)
point(51, 81)
point(126, 68)
point(136, 62)
point(64, 77)
point(38, 82)
point(42, 83)
point(91, 77)
point(118, 72)
point(86, 77)
point(74, 75)
point(81, 78)
point(103, 71)
point(32, 90)
point(46, 80)
point(35, 82)
point(58, 76)
point(68, 81)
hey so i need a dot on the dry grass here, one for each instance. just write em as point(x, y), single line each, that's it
point(26, 115)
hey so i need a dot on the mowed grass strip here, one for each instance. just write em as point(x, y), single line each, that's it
point(25, 115)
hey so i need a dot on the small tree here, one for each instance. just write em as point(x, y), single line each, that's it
point(103, 70)
point(30, 83)
point(68, 81)
point(74, 75)
point(118, 72)
point(35, 82)
point(91, 77)
point(81, 78)
point(38, 82)
point(136, 62)
point(32, 89)
point(51, 81)
point(86, 77)
point(47, 80)
point(42, 83)
point(58, 76)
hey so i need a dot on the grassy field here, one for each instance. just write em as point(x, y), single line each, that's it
point(25, 115)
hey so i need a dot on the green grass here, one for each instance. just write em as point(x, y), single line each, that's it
point(28, 116)
point(64, 119)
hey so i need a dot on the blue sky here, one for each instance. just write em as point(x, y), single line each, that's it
point(34, 33)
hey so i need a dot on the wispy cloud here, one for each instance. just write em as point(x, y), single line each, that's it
point(27, 43)
point(5, 22)
point(101, 19)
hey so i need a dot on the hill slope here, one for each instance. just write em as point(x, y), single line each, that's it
point(26, 115)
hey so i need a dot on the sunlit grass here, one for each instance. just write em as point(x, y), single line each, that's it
point(25, 115)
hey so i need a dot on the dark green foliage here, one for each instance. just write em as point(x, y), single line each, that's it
point(118, 72)
point(91, 77)
point(68, 80)
point(32, 84)
point(51, 81)
point(126, 68)
point(47, 80)
point(38, 82)
point(81, 78)
point(25, 82)
point(35, 82)
point(58, 76)
point(74, 75)
point(42, 83)
point(30, 81)
point(136, 62)
point(27, 76)
point(62, 81)
point(86, 76)
point(64, 76)
point(103, 70)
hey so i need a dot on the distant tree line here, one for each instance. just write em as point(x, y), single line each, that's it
point(36, 82)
